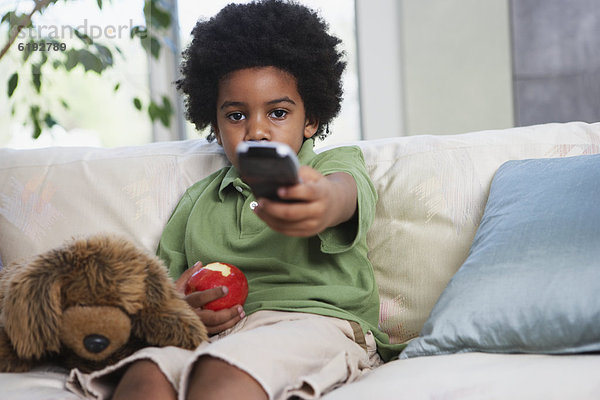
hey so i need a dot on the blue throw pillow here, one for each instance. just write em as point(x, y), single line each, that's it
point(531, 282)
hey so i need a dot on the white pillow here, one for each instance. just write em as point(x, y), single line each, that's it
point(432, 193)
point(54, 194)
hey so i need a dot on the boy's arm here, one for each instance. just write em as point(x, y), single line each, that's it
point(344, 184)
point(321, 202)
point(171, 246)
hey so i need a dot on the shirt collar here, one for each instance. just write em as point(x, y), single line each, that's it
point(232, 177)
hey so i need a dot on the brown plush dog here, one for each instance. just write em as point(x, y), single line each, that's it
point(88, 305)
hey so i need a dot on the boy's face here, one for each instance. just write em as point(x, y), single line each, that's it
point(260, 104)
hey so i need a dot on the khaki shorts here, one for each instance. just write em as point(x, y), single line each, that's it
point(289, 354)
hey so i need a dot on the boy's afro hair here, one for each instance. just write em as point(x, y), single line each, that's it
point(276, 33)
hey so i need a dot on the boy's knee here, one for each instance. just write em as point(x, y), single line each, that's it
point(213, 378)
point(144, 380)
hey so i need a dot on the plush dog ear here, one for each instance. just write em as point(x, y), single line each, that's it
point(31, 308)
point(9, 360)
point(166, 319)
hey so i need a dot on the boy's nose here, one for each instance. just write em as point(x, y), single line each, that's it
point(257, 129)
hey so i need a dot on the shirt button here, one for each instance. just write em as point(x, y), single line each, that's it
point(239, 189)
point(253, 205)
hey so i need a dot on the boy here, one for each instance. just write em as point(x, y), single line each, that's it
point(270, 71)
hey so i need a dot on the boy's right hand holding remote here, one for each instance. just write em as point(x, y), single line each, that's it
point(320, 202)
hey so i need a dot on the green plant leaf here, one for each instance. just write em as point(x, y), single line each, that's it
point(64, 104)
point(49, 120)
point(165, 119)
point(153, 110)
point(105, 54)
point(152, 46)
point(137, 103)
point(36, 77)
point(34, 111)
point(83, 37)
point(155, 47)
point(37, 129)
point(90, 61)
point(117, 86)
point(167, 105)
point(156, 15)
point(27, 51)
point(6, 17)
point(99, 4)
point(72, 59)
point(34, 114)
point(138, 31)
point(12, 83)
point(162, 113)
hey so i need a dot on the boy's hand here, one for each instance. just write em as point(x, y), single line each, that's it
point(215, 321)
point(320, 202)
point(182, 280)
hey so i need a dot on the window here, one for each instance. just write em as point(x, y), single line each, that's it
point(93, 113)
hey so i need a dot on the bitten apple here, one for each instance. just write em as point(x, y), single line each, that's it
point(220, 274)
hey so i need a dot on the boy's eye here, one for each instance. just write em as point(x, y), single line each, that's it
point(236, 116)
point(278, 114)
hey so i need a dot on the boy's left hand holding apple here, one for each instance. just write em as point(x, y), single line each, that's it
point(319, 202)
point(215, 321)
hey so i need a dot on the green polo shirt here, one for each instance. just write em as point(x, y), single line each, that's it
point(328, 274)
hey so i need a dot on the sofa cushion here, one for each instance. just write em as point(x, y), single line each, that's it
point(432, 192)
point(530, 283)
point(53, 194)
point(479, 376)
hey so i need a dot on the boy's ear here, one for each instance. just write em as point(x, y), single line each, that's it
point(217, 133)
point(310, 128)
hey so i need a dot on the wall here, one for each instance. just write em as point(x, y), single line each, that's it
point(457, 72)
point(434, 67)
point(556, 60)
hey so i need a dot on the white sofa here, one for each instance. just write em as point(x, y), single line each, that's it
point(432, 194)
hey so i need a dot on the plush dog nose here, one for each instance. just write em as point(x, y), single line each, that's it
point(95, 343)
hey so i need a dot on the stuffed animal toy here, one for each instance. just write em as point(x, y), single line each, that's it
point(89, 304)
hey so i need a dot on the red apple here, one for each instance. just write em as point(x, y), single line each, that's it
point(220, 274)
